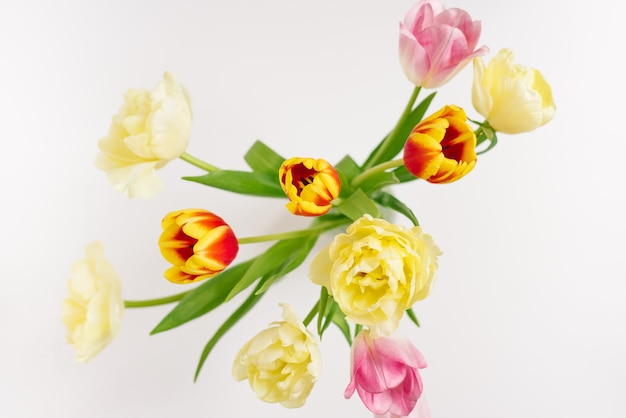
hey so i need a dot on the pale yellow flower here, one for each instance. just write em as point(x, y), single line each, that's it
point(93, 311)
point(376, 271)
point(512, 98)
point(281, 363)
point(150, 129)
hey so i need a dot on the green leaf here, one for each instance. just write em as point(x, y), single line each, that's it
point(357, 205)
point(346, 187)
point(241, 311)
point(321, 309)
point(292, 261)
point(378, 181)
point(263, 159)
point(307, 319)
point(330, 312)
point(348, 166)
point(347, 169)
point(400, 135)
point(339, 319)
point(265, 263)
point(416, 117)
point(203, 298)
point(392, 202)
point(242, 182)
point(369, 161)
point(412, 316)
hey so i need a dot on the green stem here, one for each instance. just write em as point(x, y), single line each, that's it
point(198, 162)
point(154, 302)
point(293, 234)
point(311, 314)
point(390, 138)
point(375, 170)
point(483, 133)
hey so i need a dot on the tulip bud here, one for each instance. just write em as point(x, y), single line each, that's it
point(441, 148)
point(198, 243)
point(311, 185)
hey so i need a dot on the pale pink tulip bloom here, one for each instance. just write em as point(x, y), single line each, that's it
point(385, 374)
point(436, 43)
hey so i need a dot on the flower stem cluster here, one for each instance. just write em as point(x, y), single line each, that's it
point(369, 276)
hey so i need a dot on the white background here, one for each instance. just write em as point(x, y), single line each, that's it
point(527, 315)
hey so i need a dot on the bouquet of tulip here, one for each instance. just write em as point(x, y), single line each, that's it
point(372, 271)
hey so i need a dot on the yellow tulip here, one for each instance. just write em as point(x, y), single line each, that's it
point(94, 308)
point(150, 129)
point(376, 271)
point(282, 362)
point(512, 98)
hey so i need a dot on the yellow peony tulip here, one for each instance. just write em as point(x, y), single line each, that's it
point(376, 271)
point(93, 311)
point(282, 363)
point(512, 98)
point(150, 129)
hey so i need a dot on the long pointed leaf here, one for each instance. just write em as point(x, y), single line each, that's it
point(400, 136)
point(241, 311)
point(412, 316)
point(347, 169)
point(292, 261)
point(263, 159)
point(330, 312)
point(203, 299)
point(321, 312)
point(339, 319)
point(242, 182)
point(265, 263)
point(378, 181)
point(394, 203)
point(357, 205)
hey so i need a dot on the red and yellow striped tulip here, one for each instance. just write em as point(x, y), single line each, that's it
point(198, 243)
point(442, 147)
point(310, 184)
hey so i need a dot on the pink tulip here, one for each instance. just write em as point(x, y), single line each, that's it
point(435, 43)
point(385, 374)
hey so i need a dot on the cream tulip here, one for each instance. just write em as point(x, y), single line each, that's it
point(513, 99)
point(282, 363)
point(93, 310)
point(150, 129)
